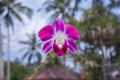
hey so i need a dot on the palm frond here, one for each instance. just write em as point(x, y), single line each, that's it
point(22, 49)
point(8, 20)
point(29, 36)
point(17, 4)
point(16, 15)
point(32, 46)
point(50, 2)
point(24, 42)
point(25, 55)
point(30, 57)
point(50, 7)
point(8, 2)
point(39, 57)
point(2, 5)
point(53, 17)
point(11, 1)
point(1, 11)
point(23, 9)
point(39, 44)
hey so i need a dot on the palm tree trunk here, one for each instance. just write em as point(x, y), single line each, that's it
point(103, 62)
point(1, 55)
point(103, 67)
point(8, 63)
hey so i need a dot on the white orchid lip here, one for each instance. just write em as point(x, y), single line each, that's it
point(60, 38)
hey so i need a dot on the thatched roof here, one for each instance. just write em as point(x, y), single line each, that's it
point(54, 74)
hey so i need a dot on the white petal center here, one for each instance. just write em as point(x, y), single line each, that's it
point(60, 37)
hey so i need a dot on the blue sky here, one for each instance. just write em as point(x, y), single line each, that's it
point(36, 23)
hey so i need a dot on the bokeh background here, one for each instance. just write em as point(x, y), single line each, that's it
point(98, 22)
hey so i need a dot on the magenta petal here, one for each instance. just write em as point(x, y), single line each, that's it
point(64, 47)
point(46, 32)
point(72, 32)
point(47, 47)
point(60, 51)
point(72, 47)
point(59, 25)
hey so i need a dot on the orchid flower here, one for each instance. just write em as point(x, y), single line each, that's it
point(59, 38)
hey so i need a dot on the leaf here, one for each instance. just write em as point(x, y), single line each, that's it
point(25, 55)
point(48, 5)
point(2, 5)
point(51, 7)
point(49, 2)
point(39, 57)
point(24, 42)
point(23, 9)
point(22, 49)
point(39, 44)
point(1, 11)
point(8, 20)
point(16, 15)
point(29, 36)
point(30, 57)
point(17, 4)
point(8, 2)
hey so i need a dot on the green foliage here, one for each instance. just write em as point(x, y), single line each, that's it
point(114, 3)
point(96, 17)
point(99, 27)
point(18, 70)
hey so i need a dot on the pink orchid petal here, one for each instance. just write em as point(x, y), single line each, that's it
point(72, 32)
point(60, 51)
point(47, 47)
point(46, 33)
point(72, 47)
point(59, 25)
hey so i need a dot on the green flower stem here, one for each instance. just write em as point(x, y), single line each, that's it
point(40, 65)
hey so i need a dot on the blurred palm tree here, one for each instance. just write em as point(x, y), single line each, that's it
point(100, 25)
point(114, 3)
point(32, 47)
point(12, 9)
point(91, 63)
point(61, 8)
point(98, 29)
